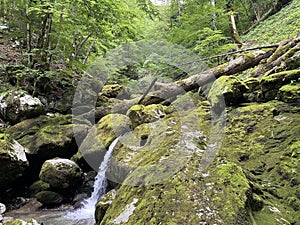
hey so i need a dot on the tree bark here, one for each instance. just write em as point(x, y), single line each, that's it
point(88, 53)
point(28, 34)
point(234, 32)
point(282, 59)
point(214, 22)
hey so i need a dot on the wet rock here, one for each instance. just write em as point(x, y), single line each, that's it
point(13, 161)
point(49, 198)
point(103, 204)
point(226, 91)
point(61, 174)
point(140, 114)
point(95, 145)
point(16, 106)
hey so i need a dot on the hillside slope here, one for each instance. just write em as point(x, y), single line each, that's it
point(283, 25)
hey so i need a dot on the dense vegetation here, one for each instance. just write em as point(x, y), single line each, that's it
point(53, 34)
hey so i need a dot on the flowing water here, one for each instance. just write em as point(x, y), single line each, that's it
point(83, 215)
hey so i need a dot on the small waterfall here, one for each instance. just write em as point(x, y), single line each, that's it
point(88, 210)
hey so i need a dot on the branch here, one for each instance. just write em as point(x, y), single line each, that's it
point(229, 53)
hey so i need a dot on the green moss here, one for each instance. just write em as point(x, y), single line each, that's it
point(282, 25)
point(38, 186)
point(234, 185)
point(111, 126)
point(290, 93)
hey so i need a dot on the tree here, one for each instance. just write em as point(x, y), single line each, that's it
point(232, 24)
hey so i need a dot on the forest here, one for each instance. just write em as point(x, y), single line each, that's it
point(149, 112)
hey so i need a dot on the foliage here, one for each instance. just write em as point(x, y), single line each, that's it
point(285, 24)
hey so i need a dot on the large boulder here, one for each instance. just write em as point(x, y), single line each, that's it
point(140, 114)
point(61, 174)
point(13, 161)
point(16, 106)
point(103, 204)
point(253, 178)
point(47, 137)
point(95, 145)
point(226, 91)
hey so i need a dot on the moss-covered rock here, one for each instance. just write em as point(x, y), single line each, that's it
point(272, 83)
point(95, 145)
point(21, 222)
point(16, 106)
point(50, 198)
point(140, 114)
point(47, 137)
point(254, 178)
point(61, 174)
point(37, 187)
point(226, 91)
point(290, 93)
point(103, 204)
point(13, 161)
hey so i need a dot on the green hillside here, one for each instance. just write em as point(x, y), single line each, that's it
point(283, 25)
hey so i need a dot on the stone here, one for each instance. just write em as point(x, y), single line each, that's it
point(16, 106)
point(37, 187)
point(13, 161)
point(47, 137)
point(100, 136)
point(2, 208)
point(140, 114)
point(49, 198)
point(103, 204)
point(61, 173)
point(226, 91)
point(290, 93)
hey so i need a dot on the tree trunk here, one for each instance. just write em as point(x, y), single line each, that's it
point(214, 22)
point(28, 34)
point(284, 58)
point(257, 15)
point(234, 32)
point(88, 53)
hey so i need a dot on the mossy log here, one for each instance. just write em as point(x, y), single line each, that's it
point(171, 90)
point(167, 92)
point(282, 59)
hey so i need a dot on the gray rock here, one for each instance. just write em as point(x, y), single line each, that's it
point(61, 174)
point(16, 106)
point(2, 208)
point(13, 161)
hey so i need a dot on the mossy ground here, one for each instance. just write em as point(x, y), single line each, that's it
point(254, 178)
point(282, 25)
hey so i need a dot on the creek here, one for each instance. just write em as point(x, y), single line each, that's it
point(83, 215)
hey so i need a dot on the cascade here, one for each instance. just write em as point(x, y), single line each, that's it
point(86, 212)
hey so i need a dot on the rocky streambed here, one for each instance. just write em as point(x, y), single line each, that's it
point(230, 156)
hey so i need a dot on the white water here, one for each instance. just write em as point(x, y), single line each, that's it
point(86, 213)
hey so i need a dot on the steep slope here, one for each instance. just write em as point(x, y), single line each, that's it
point(283, 25)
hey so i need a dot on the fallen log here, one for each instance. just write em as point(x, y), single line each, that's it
point(280, 59)
point(243, 62)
